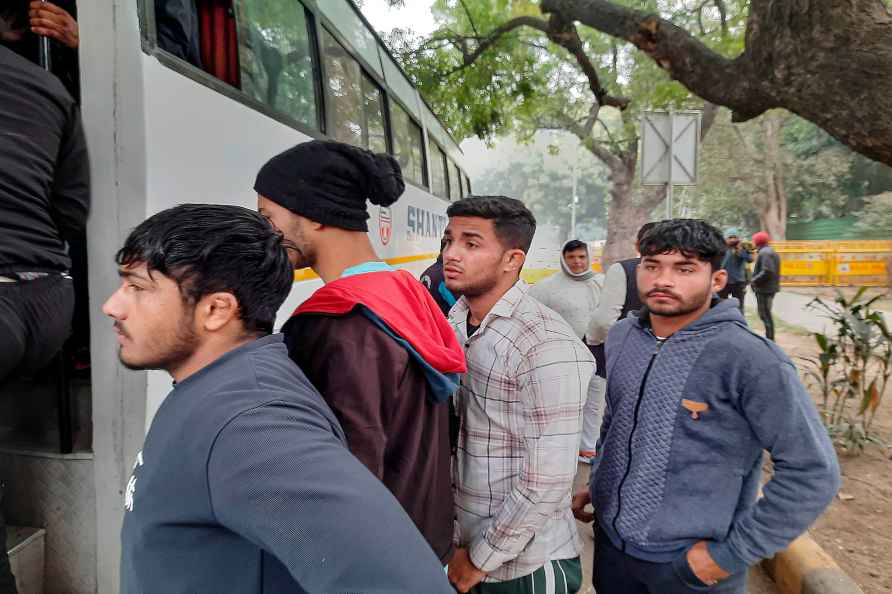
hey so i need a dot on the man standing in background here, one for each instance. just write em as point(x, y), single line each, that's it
point(574, 293)
point(734, 263)
point(766, 280)
point(433, 279)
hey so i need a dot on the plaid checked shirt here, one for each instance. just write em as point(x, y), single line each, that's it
point(520, 406)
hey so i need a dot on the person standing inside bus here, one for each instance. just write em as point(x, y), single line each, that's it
point(44, 199)
point(244, 484)
point(520, 409)
point(372, 340)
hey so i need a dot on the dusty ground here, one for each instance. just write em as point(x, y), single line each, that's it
point(857, 528)
point(829, 293)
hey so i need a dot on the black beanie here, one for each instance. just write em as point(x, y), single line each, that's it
point(329, 182)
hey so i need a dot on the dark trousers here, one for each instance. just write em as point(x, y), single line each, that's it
point(736, 290)
point(35, 321)
point(765, 302)
point(7, 581)
point(618, 573)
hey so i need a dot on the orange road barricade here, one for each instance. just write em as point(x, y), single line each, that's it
point(834, 263)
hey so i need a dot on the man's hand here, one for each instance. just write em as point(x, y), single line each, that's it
point(580, 500)
point(701, 563)
point(50, 20)
point(462, 572)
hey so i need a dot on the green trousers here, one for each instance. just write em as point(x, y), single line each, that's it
point(555, 577)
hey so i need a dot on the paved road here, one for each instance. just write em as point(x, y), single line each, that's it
point(793, 309)
point(759, 582)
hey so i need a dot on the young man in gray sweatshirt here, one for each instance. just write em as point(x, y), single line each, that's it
point(244, 484)
point(693, 399)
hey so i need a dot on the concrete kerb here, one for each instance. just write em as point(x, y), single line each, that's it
point(805, 568)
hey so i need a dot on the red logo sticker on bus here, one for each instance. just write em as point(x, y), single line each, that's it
point(385, 224)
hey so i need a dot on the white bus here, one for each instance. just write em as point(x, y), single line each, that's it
point(164, 130)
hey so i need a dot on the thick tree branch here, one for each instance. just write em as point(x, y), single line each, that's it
point(687, 60)
point(564, 33)
point(840, 81)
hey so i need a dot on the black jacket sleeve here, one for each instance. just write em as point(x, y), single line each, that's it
point(70, 200)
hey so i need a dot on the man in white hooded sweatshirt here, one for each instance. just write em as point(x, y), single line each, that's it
point(575, 293)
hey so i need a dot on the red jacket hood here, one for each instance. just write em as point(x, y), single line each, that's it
point(403, 304)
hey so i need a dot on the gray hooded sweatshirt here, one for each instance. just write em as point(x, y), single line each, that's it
point(680, 454)
point(574, 297)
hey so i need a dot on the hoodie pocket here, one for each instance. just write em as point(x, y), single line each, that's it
point(683, 572)
point(699, 503)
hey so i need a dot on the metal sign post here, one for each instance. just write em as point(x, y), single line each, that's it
point(671, 158)
point(670, 143)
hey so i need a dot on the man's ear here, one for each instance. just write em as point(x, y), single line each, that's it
point(217, 310)
point(719, 280)
point(514, 261)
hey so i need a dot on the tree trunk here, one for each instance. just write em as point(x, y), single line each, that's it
point(828, 61)
point(773, 211)
point(624, 217)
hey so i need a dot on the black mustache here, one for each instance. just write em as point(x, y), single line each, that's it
point(662, 291)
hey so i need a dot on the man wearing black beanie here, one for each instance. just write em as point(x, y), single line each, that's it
point(372, 340)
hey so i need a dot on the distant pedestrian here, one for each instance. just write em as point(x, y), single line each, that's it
point(734, 263)
point(574, 293)
point(619, 297)
point(766, 280)
point(433, 279)
point(520, 405)
point(694, 398)
point(244, 484)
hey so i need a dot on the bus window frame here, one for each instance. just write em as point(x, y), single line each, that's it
point(316, 20)
point(364, 73)
point(149, 37)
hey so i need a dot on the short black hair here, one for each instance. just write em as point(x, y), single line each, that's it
point(514, 223)
point(572, 246)
point(209, 248)
point(692, 237)
point(644, 229)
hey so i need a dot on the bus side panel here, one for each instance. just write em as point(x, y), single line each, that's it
point(203, 147)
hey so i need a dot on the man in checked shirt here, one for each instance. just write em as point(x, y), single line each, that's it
point(520, 407)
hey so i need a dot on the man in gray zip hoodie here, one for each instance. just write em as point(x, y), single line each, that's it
point(693, 399)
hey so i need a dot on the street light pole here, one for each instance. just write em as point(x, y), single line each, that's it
point(573, 205)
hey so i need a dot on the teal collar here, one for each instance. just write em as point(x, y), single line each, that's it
point(367, 267)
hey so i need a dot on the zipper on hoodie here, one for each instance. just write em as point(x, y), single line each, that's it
point(619, 491)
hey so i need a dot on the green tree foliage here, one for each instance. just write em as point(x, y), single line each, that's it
point(876, 216)
point(500, 67)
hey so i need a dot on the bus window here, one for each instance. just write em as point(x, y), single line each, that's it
point(454, 175)
point(408, 145)
point(275, 57)
point(438, 171)
point(356, 106)
point(468, 190)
